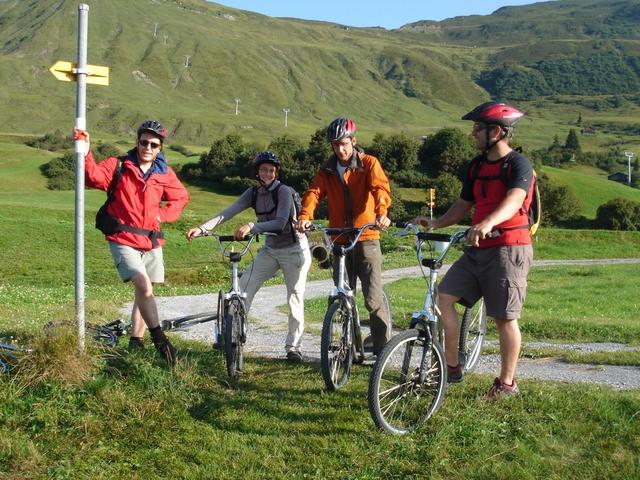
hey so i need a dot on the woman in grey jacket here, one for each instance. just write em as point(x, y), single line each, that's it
point(287, 250)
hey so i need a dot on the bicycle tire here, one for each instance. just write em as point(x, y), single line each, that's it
point(218, 327)
point(336, 352)
point(473, 329)
point(234, 319)
point(400, 398)
point(104, 335)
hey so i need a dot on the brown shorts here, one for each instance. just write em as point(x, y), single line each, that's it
point(498, 274)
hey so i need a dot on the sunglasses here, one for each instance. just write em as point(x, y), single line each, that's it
point(147, 143)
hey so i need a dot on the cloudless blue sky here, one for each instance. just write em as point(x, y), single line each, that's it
point(372, 13)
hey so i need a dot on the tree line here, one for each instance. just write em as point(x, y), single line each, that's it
point(437, 161)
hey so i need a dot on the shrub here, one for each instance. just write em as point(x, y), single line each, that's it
point(447, 151)
point(448, 189)
point(60, 172)
point(182, 149)
point(618, 214)
point(52, 141)
point(560, 206)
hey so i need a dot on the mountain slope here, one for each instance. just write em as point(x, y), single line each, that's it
point(185, 61)
point(316, 70)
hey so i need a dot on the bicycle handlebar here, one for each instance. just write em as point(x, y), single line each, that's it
point(222, 239)
point(355, 232)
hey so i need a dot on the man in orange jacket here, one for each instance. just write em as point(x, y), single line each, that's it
point(357, 192)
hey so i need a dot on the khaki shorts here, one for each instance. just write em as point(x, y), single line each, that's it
point(498, 274)
point(129, 261)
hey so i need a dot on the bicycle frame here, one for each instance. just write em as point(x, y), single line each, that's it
point(430, 310)
point(337, 351)
point(224, 242)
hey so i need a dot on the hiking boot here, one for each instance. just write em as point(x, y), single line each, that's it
point(167, 351)
point(136, 343)
point(163, 345)
point(500, 389)
point(454, 374)
point(294, 356)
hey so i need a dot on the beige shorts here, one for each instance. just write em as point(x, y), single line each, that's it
point(129, 261)
point(498, 274)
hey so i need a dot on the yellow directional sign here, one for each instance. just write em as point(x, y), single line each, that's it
point(67, 72)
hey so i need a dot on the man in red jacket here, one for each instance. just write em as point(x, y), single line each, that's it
point(147, 192)
point(496, 263)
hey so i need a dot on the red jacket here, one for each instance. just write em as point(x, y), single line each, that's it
point(138, 199)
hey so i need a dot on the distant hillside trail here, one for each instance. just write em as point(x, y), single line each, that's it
point(267, 331)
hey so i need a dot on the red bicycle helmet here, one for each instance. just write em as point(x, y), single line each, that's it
point(341, 128)
point(152, 126)
point(495, 113)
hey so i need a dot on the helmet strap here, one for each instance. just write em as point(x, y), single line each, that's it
point(490, 144)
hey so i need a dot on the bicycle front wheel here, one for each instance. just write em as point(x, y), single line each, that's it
point(234, 337)
point(336, 351)
point(473, 329)
point(407, 383)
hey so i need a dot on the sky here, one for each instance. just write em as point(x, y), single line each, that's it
point(372, 13)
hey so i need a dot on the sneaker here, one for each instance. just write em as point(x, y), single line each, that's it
point(500, 389)
point(294, 356)
point(454, 374)
point(136, 343)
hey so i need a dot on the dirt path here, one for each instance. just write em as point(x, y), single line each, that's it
point(268, 331)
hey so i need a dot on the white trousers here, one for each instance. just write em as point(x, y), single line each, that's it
point(294, 261)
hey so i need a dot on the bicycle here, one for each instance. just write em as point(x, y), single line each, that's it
point(408, 381)
point(341, 342)
point(230, 329)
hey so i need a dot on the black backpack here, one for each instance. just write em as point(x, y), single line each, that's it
point(296, 201)
point(535, 209)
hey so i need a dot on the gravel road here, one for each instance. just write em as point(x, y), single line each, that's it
point(267, 332)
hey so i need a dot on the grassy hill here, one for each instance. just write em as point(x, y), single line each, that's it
point(416, 79)
point(316, 70)
point(591, 186)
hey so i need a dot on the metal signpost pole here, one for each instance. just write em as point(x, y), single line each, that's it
point(82, 74)
point(80, 147)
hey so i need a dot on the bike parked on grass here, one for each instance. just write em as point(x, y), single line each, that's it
point(408, 381)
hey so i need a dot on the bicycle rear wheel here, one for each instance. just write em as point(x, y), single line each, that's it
point(234, 323)
point(104, 335)
point(407, 383)
point(473, 329)
point(336, 351)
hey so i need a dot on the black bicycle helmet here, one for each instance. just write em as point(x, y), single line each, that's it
point(341, 128)
point(266, 157)
point(152, 126)
point(495, 113)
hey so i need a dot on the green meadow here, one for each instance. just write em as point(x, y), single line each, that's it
point(118, 414)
